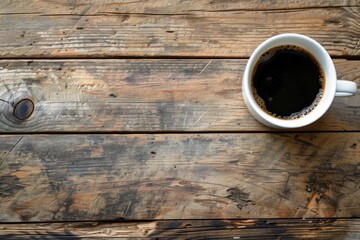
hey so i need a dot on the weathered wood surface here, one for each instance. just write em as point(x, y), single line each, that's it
point(206, 28)
point(146, 178)
point(145, 95)
point(179, 176)
point(190, 229)
point(91, 7)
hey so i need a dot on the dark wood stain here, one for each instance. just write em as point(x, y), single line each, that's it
point(239, 197)
point(9, 185)
point(332, 21)
point(23, 109)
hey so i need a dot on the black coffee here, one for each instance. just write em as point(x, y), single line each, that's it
point(287, 82)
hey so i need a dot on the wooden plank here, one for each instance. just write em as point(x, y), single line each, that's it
point(179, 176)
point(91, 7)
point(209, 229)
point(145, 95)
point(205, 29)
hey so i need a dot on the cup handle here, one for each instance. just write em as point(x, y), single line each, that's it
point(345, 88)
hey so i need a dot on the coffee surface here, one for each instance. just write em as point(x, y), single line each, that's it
point(287, 82)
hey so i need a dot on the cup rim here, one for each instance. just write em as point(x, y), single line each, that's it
point(329, 91)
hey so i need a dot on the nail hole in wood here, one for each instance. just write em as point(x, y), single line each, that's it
point(23, 109)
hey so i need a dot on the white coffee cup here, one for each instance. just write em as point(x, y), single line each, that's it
point(333, 87)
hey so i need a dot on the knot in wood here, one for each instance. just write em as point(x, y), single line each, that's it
point(23, 109)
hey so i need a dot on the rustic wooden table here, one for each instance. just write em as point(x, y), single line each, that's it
point(125, 119)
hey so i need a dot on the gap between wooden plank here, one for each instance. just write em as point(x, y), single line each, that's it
point(121, 220)
point(273, 131)
point(173, 57)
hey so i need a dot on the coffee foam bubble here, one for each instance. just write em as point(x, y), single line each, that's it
point(266, 56)
point(259, 101)
point(270, 53)
point(308, 109)
point(295, 115)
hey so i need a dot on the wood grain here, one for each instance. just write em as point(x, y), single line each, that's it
point(179, 176)
point(145, 95)
point(63, 161)
point(92, 7)
point(207, 28)
point(191, 229)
